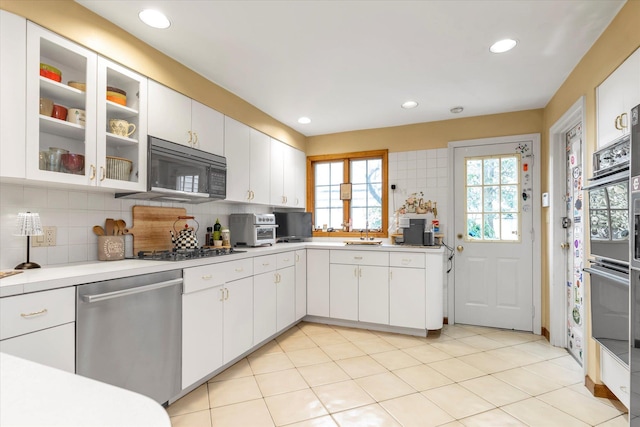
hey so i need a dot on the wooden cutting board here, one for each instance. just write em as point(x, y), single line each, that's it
point(152, 225)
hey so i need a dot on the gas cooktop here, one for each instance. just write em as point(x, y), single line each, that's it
point(186, 254)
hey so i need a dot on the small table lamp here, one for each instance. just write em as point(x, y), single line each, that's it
point(28, 224)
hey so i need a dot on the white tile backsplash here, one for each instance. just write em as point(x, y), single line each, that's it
point(75, 212)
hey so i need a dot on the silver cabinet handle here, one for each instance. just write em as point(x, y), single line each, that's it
point(357, 257)
point(196, 142)
point(297, 258)
point(207, 277)
point(35, 313)
point(360, 271)
point(125, 292)
point(264, 264)
point(221, 294)
point(226, 293)
point(355, 272)
point(406, 261)
point(285, 259)
point(239, 269)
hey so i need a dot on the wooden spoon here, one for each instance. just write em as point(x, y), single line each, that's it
point(122, 226)
point(99, 231)
point(108, 226)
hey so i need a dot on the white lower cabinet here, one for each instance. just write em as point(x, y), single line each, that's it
point(217, 317)
point(301, 283)
point(343, 291)
point(285, 297)
point(407, 290)
point(373, 294)
point(264, 309)
point(40, 327)
point(55, 347)
point(359, 286)
point(202, 313)
point(318, 282)
point(616, 376)
point(274, 294)
point(238, 318)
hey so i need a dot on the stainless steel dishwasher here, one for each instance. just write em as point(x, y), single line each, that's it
point(128, 333)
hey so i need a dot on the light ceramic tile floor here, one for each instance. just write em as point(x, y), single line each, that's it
point(318, 375)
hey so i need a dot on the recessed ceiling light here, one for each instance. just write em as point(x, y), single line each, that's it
point(457, 110)
point(410, 104)
point(304, 120)
point(154, 18)
point(502, 46)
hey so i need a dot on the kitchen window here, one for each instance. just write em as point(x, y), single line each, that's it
point(347, 187)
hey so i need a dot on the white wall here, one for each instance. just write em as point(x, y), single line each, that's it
point(74, 213)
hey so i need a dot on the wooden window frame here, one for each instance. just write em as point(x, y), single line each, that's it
point(346, 158)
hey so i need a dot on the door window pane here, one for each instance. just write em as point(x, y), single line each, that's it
point(493, 198)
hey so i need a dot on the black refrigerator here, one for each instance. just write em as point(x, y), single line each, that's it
point(634, 258)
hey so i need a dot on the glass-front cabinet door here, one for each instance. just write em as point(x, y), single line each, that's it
point(86, 116)
point(121, 127)
point(61, 78)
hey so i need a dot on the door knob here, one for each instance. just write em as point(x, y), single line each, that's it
point(564, 245)
point(460, 248)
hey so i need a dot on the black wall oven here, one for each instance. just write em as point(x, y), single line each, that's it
point(609, 240)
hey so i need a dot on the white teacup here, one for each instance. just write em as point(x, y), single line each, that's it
point(76, 116)
point(121, 127)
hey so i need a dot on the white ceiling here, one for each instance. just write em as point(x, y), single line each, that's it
point(348, 65)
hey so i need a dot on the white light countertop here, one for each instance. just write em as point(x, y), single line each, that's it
point(52, 277)
point(36, 395)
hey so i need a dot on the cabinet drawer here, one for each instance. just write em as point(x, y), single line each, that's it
point(203, 277)
point(407, 259)
point(360, 257)
point(235, 270)
point(615, 376)
point(55, 347)
point(32, 312)
point(262, 264)
point(286, 259)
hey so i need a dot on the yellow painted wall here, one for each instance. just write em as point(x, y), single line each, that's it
point(430, 135)
point(79, 24)
point(616, 43)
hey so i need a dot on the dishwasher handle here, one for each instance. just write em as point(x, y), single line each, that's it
point(126, 292)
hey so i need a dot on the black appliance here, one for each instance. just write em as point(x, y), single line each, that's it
point(634, 258)
point(185, 254)
point(177, 173)
point(609, 237)
point(293, 226)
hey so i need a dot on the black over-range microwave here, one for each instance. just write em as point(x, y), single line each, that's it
point(177, 173)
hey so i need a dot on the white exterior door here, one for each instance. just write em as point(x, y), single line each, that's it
point(493, 234)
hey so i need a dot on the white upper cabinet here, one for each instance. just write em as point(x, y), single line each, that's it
point(207, 126)
point(288, 175)
point(45, 132)
point(260, 167)
point(300, 179)
point(177, 118)
point(54, 144)
point(616, 96)
point(13, 68)
point(237, 143)
point(113, 149)
point(248, 154)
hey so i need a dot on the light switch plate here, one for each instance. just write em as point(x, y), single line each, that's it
point(545, 200)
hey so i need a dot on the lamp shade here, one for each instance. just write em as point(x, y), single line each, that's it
point(28, 224)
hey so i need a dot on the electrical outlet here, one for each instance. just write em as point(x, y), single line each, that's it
point(47, 239)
